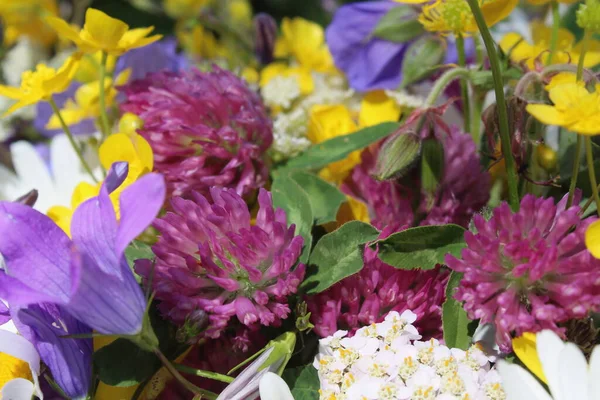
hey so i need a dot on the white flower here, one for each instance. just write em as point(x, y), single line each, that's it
point(568, 374)
point(405, 99)
point(272, 387)
point(289, 133)
point(55, 185)
point(386, 361)
point(20, 348)
point(281, 91)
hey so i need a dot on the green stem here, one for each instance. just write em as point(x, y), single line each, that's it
point(205, 374)
point(555, 29)
point(184, 382)
point(584, 48)
point(71, 139)
point(575, 173)
point(103, 116)
point(476, 118)
point(464, 84)
point(592, 172)
point(511, 170)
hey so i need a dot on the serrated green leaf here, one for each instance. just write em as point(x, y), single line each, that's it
point(320, 155)
point(422, 247)
point(454, 318)
point(325, 199)
point(303, 382)
point(138, 250)
point(290, 197)
point(399, 25)
point(337, 255)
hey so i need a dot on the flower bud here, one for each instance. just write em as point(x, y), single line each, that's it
point(397, 155)
point(265, 33)
point(432, 166)
point(130, 123)
point(28, 199)
point(547, 157)
point(194, 324)
point(399, 25)
point(588, 16)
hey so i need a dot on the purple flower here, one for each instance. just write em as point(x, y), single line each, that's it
point(367, 296)
point(210, 257)
point(205, 129)
point(463, 190)
point(528, 271)
point(88, 276)
point(68, 359)
point(369, 63)
point(157, 56)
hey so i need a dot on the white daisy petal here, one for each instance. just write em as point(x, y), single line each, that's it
point(519, 384)
point(573, 374)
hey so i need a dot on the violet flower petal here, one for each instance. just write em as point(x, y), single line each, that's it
point(4, 313)
point(140, 204)
point(68, 359)
point(38, 257)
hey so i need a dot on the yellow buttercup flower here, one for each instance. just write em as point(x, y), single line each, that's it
point(302, 75)
point(133, 149)
point(329, 121)
point(574, 108)
point(198, 41)
point(25, 17)
point(41, 84)
point(455, 16)
point(567, 51)
point(104, 33)
point(87, 101)
point(305, 41)
point(561, 78)
point(525, 347)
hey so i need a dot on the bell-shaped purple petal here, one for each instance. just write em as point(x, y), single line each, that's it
point(38, 255)
point(109, 298)
point(4, 313)
point(369, 63)
point(157, 56)
point(69, 359)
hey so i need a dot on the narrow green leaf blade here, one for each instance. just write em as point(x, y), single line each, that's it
point(422, 247)
point(290, 197)
point(454, 317)
point(337, 255)
point(325, 199)
point(322, 154)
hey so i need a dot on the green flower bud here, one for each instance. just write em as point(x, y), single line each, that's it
point(588, 16)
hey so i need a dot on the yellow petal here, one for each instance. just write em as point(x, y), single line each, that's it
point(102, 30)
point(587, 126)
point(62, 217)
point(144, 151)
point(561, 78)
point(84, 191)
point(116, 147)
point(592, 238)
point(11, 92)
point(271, 71)
point(546, 114)
point(137, 38)
point(305, 80)
point(496, 10)
point(59, 82)
point(64, 29)
point(525, 348)
point(568, 94)
point(329, 121)
point(20, 104)
point(377, 107)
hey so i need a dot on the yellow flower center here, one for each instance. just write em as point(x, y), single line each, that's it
point(12, 368)
point(455, 12)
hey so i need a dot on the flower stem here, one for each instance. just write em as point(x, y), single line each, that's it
point(71, 139)
point(575, 172)
point(464, 84)
point(511, 170)
point(187, 384)
point(442, 82)
point(555, 29)
point(205, 374)
point(592, 172)
point(584, 47)
point(103, 116)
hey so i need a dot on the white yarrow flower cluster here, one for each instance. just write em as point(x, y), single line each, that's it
point(387, 361)
point(289, 133)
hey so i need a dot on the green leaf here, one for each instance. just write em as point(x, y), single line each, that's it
point(422, 247)
point(399, 25)
point(325, 199)
point(337, 255)
point(422, 58)
point(138, 250)
point(454, 317)
point(290, 197)
point(320, 155)
point(122, 363)
point(303, 382)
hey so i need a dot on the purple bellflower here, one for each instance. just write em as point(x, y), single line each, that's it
point(87, 275)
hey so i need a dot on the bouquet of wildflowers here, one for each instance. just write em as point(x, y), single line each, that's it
point(227, 200)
